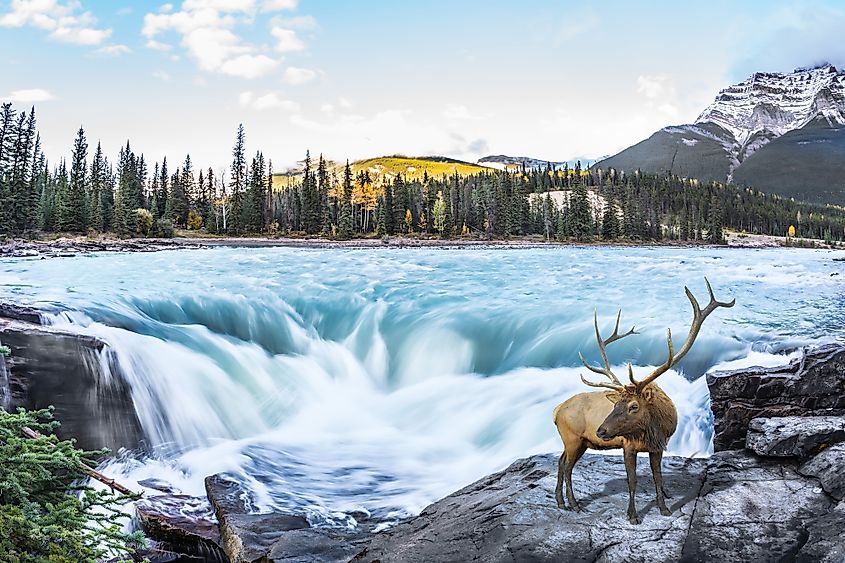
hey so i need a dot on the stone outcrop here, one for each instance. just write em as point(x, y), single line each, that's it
point(829, 468)
point(260, 538)
point(512, 516)
point(74, 373)
point(794, 436)
point(181, 524)
point(811, 386)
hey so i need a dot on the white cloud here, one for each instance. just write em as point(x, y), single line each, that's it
point(63, 20)
point(209, 34)
point(30, 96)
point(286, 40)
point(270, 100)
point(296, 76)
point(653, 86)
point(161, 75)
point(113, 50)
point(248, 66)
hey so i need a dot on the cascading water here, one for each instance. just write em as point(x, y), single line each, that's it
point(336, 381)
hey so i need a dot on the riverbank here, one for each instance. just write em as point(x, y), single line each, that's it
point(72, 245)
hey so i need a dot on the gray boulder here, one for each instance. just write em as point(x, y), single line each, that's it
point(272, 538)
point(794, 436)
point(829, 468)
point(78, 376)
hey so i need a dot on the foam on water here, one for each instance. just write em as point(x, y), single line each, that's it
point(331, 381)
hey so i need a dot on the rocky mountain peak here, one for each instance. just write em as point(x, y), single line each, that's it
point(775, 103)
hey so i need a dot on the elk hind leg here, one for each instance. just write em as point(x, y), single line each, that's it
point(572, 454)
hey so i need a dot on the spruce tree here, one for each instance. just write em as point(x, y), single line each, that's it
point(344, 230)
point(71, 210)
point(610, 228)
point(96, 189)
point(237, 184)
point(714, 222)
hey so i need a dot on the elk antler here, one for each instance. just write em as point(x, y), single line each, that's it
point(614, 381)
point(699, 315)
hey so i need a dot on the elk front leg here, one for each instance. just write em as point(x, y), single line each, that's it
point(656, 459)
point(631, 468)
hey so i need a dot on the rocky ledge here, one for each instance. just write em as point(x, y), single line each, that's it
point(813, 385)
point(773, 491)
point(68, 247)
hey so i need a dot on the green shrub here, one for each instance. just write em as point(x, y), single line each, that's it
point(143, 222)
point(46, 513)
point(164, 228)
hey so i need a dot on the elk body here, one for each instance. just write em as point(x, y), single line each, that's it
point(636, 417)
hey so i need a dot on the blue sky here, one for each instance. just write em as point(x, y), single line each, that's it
point(553, 80)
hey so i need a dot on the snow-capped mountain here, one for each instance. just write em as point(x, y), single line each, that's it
point(756, 129)
point(771, 104)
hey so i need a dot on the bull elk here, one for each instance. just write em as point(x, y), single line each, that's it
point(637, 417)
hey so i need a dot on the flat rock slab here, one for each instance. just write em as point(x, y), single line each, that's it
point(512, 516)
point(753, 509)
point(794, 436)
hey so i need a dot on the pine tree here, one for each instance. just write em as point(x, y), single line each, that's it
point(582, 219)
point(344, 230)
point(714, 222)
point(237, 184)
point(71, 211)
point(610, 228)
point(96, 189)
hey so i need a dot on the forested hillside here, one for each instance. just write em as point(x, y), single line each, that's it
point(136, 197)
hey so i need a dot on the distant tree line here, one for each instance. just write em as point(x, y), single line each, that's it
point(129, 198)
point(557, 204)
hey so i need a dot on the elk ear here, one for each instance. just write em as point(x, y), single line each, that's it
point(613, 396)
point(647, 394)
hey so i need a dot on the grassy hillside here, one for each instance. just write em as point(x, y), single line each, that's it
point(807, 164)
point(388, 167)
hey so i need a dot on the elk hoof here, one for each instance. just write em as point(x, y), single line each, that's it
point(560, 504)
point(633, 518)
point(576, 507)
point(665, 511)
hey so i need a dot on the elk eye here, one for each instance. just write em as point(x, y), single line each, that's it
point(633, 407)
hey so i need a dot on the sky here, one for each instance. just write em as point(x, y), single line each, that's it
point(554, 80)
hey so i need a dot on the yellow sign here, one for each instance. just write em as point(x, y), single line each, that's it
point(791, 230)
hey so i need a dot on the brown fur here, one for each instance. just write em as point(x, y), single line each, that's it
point(581, 418)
